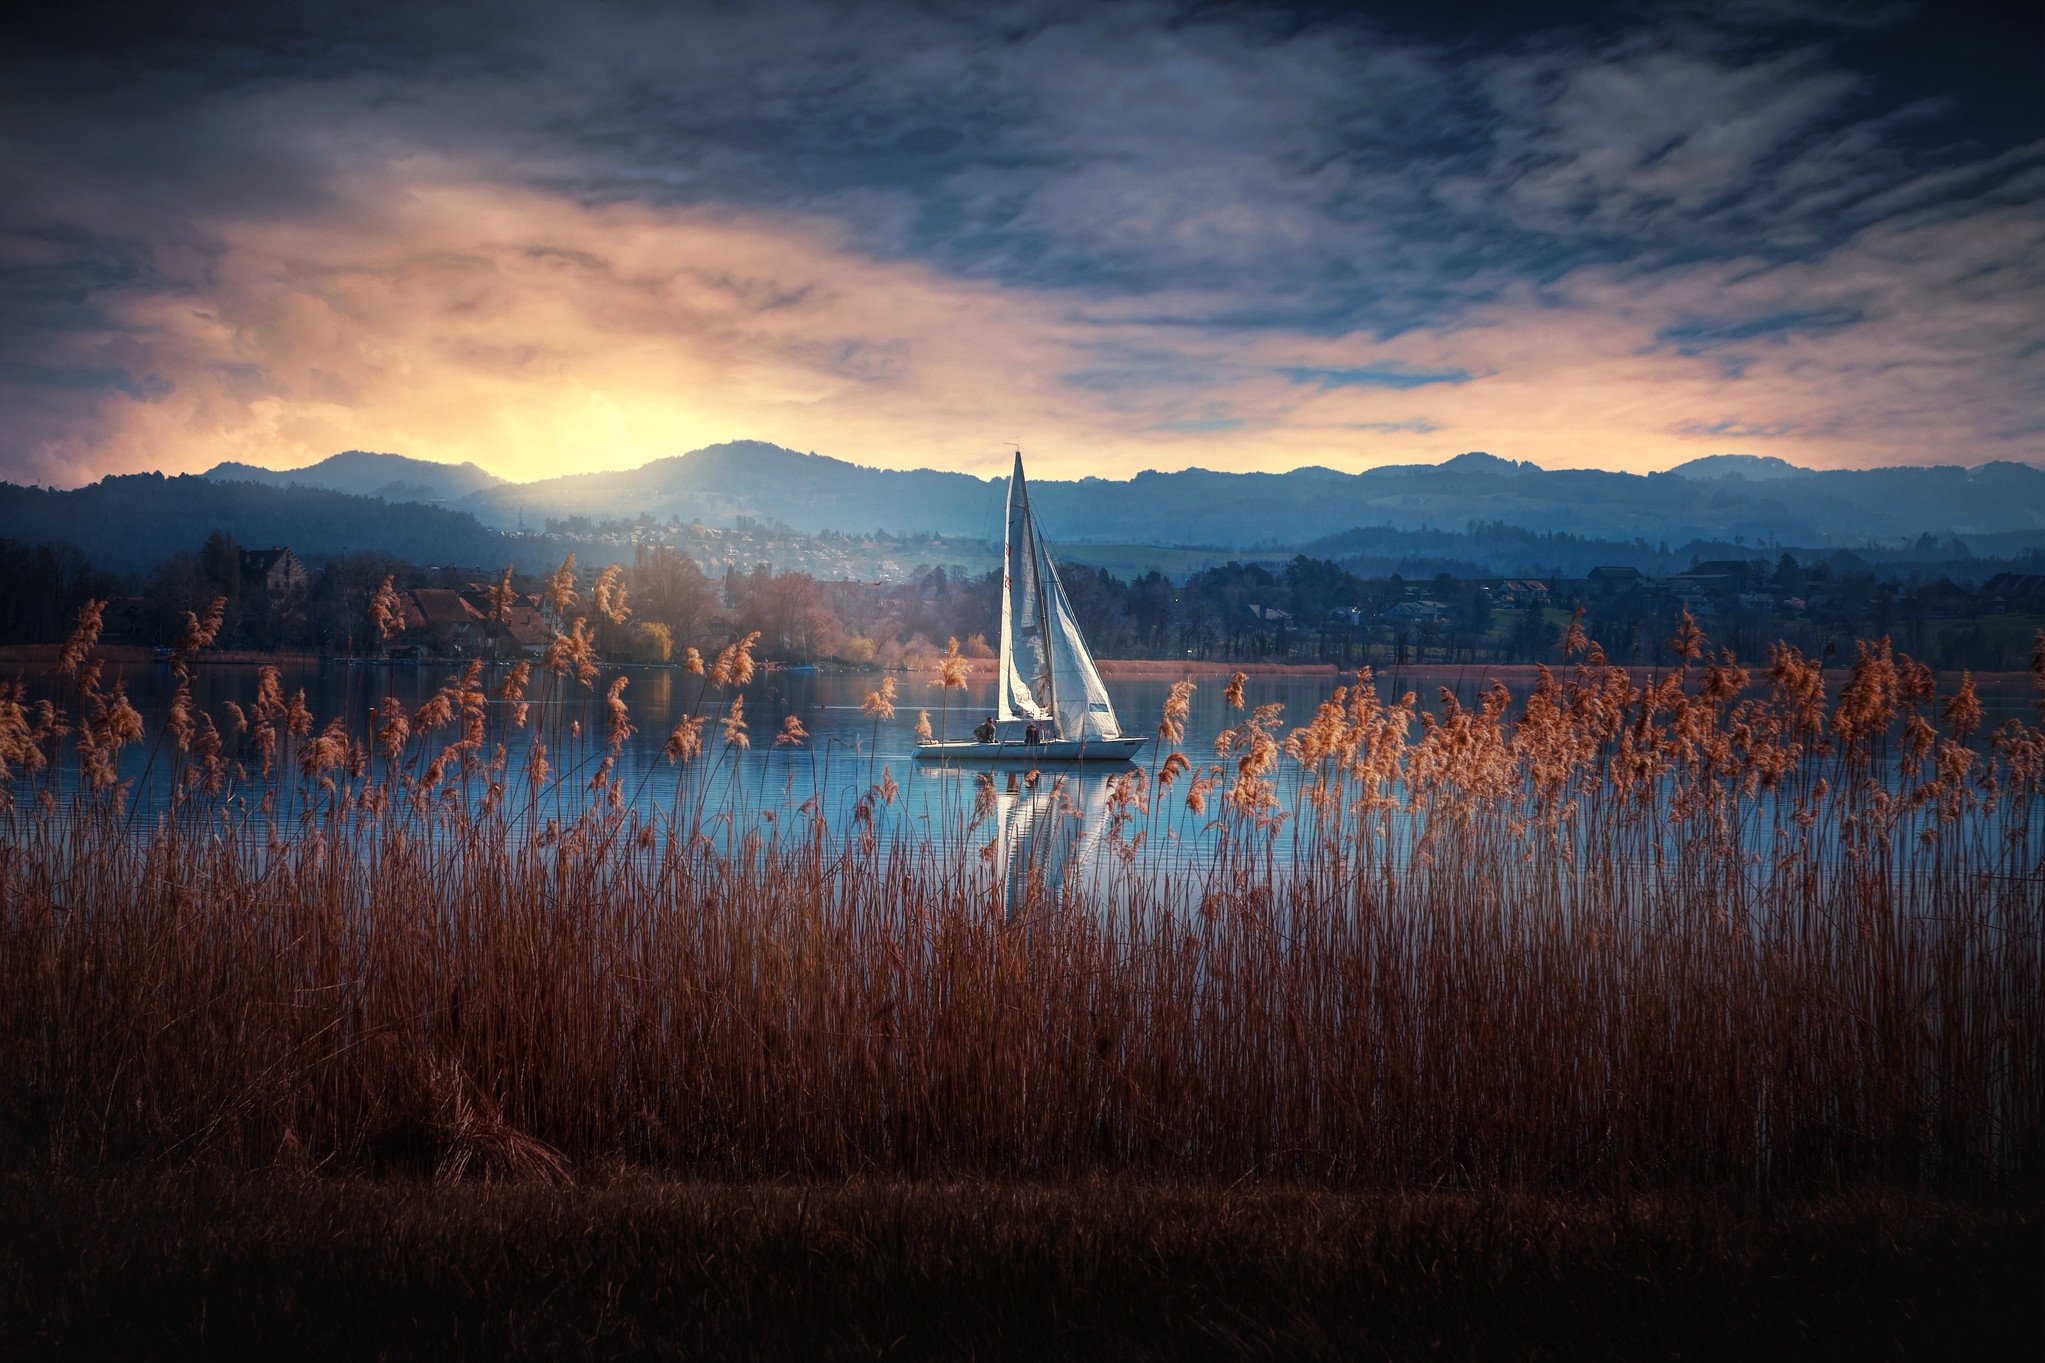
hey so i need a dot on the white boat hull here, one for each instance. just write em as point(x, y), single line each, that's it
point(1055, 753)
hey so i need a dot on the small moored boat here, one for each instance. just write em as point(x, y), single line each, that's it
point(1048, 682)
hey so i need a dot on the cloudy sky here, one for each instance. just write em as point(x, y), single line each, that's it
point(558, 237)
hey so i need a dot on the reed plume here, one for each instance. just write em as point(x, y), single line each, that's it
point(502, 597)
point(1702, 931)
point(386, 612)
point(561, 595)
point(619, 717)
point(880, 703)
point(686, 741)
point(84, 635)
point(609, 593)
point(733, 724)
point(198, 635)
point(953, 670)
point(1171, 725)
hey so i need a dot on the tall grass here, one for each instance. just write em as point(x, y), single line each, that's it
point(1715, 931)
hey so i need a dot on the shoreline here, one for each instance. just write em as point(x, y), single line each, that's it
point(29, 659)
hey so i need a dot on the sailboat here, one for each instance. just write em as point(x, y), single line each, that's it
point(1048, 681)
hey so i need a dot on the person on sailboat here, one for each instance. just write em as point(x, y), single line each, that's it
point(985, 733)
point(1032, 735)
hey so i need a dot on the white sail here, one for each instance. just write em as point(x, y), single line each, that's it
point(1047, 674)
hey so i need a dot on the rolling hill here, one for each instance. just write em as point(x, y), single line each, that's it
point(429, 512)
point(1719, 498)
point(390, 476)
point(130, 523)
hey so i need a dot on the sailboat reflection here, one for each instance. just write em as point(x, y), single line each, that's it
point(1042, 834)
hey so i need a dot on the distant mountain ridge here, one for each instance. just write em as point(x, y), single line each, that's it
point(1754, 467)
point(807, 492)
point(1413, 515)
point(394, 477)
point(129, 523)
point(1719, 497)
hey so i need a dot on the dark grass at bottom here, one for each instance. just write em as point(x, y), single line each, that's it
point(214, 1266)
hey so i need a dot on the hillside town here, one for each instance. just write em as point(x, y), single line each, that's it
point(876, 555)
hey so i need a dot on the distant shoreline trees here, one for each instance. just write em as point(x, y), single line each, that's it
point(1304, 610)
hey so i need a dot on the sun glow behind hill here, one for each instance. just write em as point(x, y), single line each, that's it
point(466, 322)
point(568, 240)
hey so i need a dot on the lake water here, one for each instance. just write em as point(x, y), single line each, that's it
point(847, 754)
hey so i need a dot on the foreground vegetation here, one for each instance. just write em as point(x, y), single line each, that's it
point(1712, 945)
point(1660, 936)
point(142, 1267)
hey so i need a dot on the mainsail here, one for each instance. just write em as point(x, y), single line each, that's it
point(1047, 674)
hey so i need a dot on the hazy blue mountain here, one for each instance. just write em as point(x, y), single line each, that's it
point(130, 524)
point(1753, 467)
point(808, 492)
point(1722, 498)
point(1474, 509)
point(390, 476)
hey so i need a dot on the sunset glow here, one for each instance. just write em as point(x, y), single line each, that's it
point(1633, 253)
point(1013, 679)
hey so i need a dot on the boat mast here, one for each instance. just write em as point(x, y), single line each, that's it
point(1037, 582)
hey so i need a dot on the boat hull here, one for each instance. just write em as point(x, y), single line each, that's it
point(1053, 754)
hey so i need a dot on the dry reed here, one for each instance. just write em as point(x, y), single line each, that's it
point(1708, 932)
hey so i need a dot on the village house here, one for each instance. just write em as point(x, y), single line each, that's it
point(1719, 577)
point(523, 630)
point(2006, 592)
point(273, 573)
point(1418, 612)
point(439, 620)
point(1613, 579)
point(520, 628)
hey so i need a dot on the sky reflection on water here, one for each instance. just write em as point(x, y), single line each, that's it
point(847, 755)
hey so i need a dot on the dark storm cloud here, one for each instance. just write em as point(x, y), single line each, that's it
point(1320, 173)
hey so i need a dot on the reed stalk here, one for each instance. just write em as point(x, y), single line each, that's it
point(1715, 932)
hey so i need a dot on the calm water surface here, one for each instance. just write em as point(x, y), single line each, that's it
point(845, 757)
point(845, 754)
